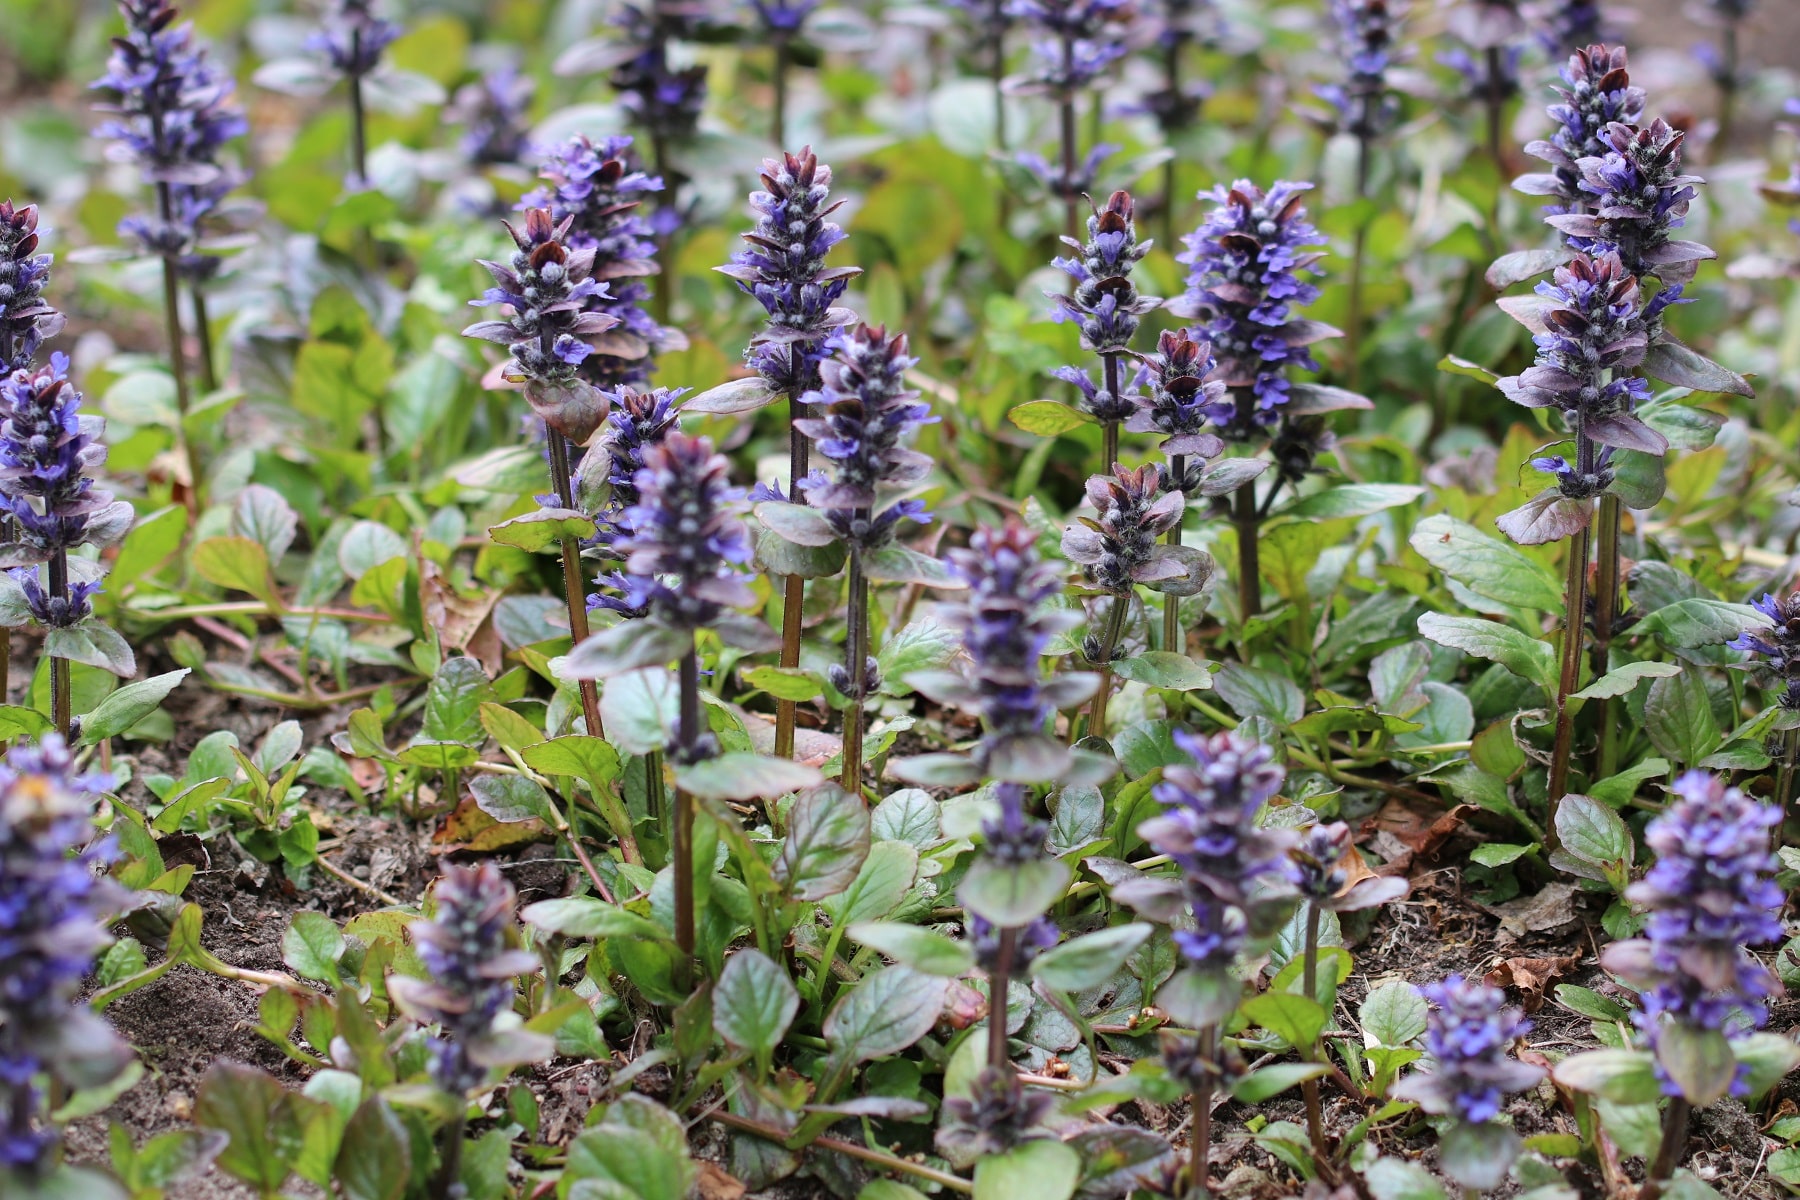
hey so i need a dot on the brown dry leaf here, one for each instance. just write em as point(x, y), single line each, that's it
point(812, 747)
point(715, 1183)
point(456, 617)
point(1531, 976)
point(367, 773)
point(1551, 908)
point(1404, 830)
point(470, 829)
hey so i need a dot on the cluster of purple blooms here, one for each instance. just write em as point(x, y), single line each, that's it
point(1470, 1030)
point(783, 268)
point(598, 191)
point(1779, 644)
point(494, 112)
point(1710, 894)
point(1208, 827)
point(471, 972)
point(783, 18)
point(666, 102)
point(1104, 302)
point(638, 421)
point(551, 290)
point(687, 544)
point(1365, 103)
point(1182, 397)
point(1079, 40)
point(55, 902)
point(172, 113)
point(353, 38)
point(1116, 548)
point(1568, 25)
point(1596, 93)
point(26, 318)
point(48, 451)
point(1248, 268)
point(866, 414)
point(1489, 58)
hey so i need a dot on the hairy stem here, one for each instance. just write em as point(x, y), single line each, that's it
point(573, 589)
point(1249, 582)
point(1569, 679)
point(1496, 111)
point(1172, 90)
point(1200, 1139)
point(997, 68)
point(359, 134)
point(1787, 770)
point(793, 597)
point(59, 667)
point(1173, 640)
point(1728, 89)
point(209, 376)
point(1353, 319)
point(856, 654)
point(681, 841)
point(1674, 1139)
point(1115, 628)
point(876, 1158)
point(998, 1057)
point(449, 1171)
point(1607, 576)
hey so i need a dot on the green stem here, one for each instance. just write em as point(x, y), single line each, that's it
point(1607, 575)
point(447, 1185)
point(656, 798)
point(1496, 113)
point(1309, 1089)
point(573, 591)
point(1173, 639)
point(886, 1162)
point(59, 667)
point(1569, 678)
point(856, 656)
point(1115, 628)
point(359, 136)
point(1200, 1140)
point(1787, 770)
point(793, 599)
point(209, 377)
point(997, 21)
point(1249, 582)
point(682, 839)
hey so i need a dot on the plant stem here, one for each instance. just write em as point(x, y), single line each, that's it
point(1309, 1089)
point(681, 842)
point(1200, 1139)
point(886, 1162)
point(1173, 640)
point(856, 655)
point(1249, 568)
point(659, 157)
point(1607, 576)
point(1172, 92)
point(451, 1168)
point(793, 599)
point(1070, 147)
point(1109, 430)
point(209, 378)
point(778, 126)
point(1496, 111)
point(575, 593)
point(1353, 320)
point(1569, 679)
point(1115, 628)
point(1674, 1139)
point(59, 667)
point(997, 68)
point(998, 1058)
point(1786, 770)
point(359, 138)
point(656, 798)
point(1728, 88)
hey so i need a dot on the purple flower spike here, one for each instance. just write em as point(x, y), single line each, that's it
point(1365, 102)
point(665, 102)
point(1471, 1029)
point(1568, 25)
point(687, 541)
point(1710, 895)
point(868, 411)
point(26, 319)
point(783, 18)
point(1248, 268)
point(784, 268)
point(1232, 870)
point(494, 112)
point(1117, 549)
point(1082, 38)
point(1597, 92)
point(55, 902)
point(48, 452)
point(598, 189)
point(1105, 302)
point(471, 967)
point(353, 38)
point(1181, 399)
point(549, 288)
point(1780, 645)
point(638, 421)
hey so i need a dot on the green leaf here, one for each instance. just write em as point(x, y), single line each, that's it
point(1619, 789)
point(374, 1159)
point(641, 709)
point(127, 706)
point(924, 645)
point(367, 545)
point(827, 841)
point(1199, 998)
point(1698, 1061)
point(899, 564)
point(885, 878)
point(924, 950)
point(884, 1014)
point(237, 563)
point(1622, 1076)
point(1295, 1019)
point(1594, 835)
point(1487, 566)
point(543, 529)
point(1699, 621)
point(1620, 680)
point(312, 946)
point(639, 1146)
point(785, 683)
point(1090, 960)
point(510, 799)
point(453, 702)
point(627, 646)
point(1274, 1079)
point(754, 1002)
point(1478, 1156)
point(1674, 363)
point(1590, 1003)
point(1048, 418)
point(1768, 1057)
point(1678, 716)
point(1012, 894)
point(743, 776)
point(575, 756)
point(588, 917)
point(1352, 500)
point(1164, 669)
point(1394, 1014)
point(155, 537)
point(1498, 854)
point(1253, 692)
point(262, 1119)
point(1525, 657)
point(1397, 1179)
point(507, 727)
point(1044, 1169)
point(92, 644)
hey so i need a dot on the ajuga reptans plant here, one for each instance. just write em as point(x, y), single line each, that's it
point(1077, 41)
point(1105, 303)
point(1779, 647)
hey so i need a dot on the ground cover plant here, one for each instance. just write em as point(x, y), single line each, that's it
point(644, 599)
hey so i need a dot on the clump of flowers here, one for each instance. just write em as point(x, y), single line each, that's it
point(1365, 102)
point(1182, 399)
point(596, 189)
point(1078, 40)
point(26, 318)
point(1230, 867)
point(472, 957)
point(1780, 644)
point(1571, 24)
point(638, 421)
point(687, 541)
point(352, 38)
point(1595, 330)
point(1249, 267)
point(55, 903)
point(494, 112)
point(1106, 305)
point(665, 101)
point(1116, 548)
point(1710, 894)
point(1596, 93)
